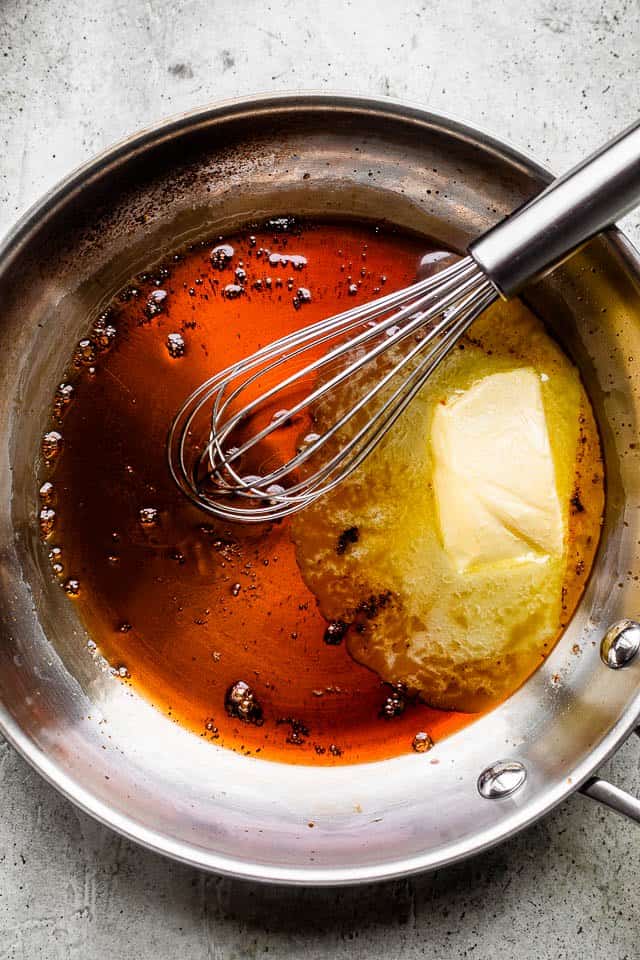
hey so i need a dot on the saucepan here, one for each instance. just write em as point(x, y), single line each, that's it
point(106, 748)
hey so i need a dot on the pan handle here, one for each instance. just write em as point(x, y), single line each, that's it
point(613, 797)
point(571, 210)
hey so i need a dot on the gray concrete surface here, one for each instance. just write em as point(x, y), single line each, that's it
point(75, 75)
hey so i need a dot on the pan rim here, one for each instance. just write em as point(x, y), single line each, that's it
point(72, 788)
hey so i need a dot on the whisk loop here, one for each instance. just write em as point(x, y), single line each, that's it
point(416, 327)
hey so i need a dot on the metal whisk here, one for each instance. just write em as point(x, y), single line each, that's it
point(387, 348)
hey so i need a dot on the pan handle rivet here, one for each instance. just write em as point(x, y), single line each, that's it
point(620, 644)
point(501, 779)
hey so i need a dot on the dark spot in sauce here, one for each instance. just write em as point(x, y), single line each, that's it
point(576, 502)
point(334, 634)
point(346, 538)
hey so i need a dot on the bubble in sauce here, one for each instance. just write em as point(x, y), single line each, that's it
point(434, 262)
point(63, 396)
point(129, 293)
point(46, 492)
point(222, 255)
point(156, 303)
point(55, 559)
point(46, 519)
point(65, 392)
point(72, 587)
point(211, 728)
point(232, 291)
point(85, 353)
point(51, 445)
point(176, 345)
point(280, 415)
point(395, 703)
point(241, 702)
point(422, 742)
point(303, 295)
point(103, 333)
point(275, 490)
point(148, 516)
point(281, 224)
point(252, 480)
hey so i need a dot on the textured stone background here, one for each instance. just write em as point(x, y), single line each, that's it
point(75, 75)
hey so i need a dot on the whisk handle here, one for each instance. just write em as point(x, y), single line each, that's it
point(571, 210)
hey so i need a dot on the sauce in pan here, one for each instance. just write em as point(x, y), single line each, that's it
point(213, 622)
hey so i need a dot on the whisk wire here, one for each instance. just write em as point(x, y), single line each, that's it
point(385, 418)
point(222, 461)
point(412, 313)
point(436, 311)
point(344, 322)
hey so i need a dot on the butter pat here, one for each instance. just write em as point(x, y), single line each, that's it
point(494, 476)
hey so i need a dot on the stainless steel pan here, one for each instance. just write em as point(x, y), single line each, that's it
point(112, 753)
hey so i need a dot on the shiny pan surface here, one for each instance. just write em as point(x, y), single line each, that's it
point(108, 750)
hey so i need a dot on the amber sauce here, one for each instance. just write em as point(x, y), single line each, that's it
point(183, 606)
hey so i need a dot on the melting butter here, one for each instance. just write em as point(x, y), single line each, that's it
point(478, 517)
point(493, 474)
